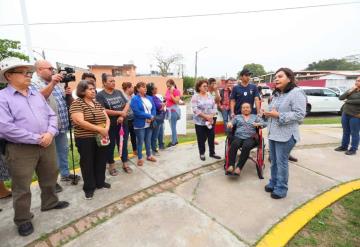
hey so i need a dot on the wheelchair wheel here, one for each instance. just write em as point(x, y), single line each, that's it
point(260, 159)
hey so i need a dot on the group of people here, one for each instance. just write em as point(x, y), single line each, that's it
point(36, 112)
point(241, 111)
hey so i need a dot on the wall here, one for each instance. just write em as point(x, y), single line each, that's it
point(159, 81)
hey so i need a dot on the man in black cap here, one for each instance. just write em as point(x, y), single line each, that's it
point(244, 92)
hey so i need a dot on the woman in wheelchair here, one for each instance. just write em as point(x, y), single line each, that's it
point(244, 136)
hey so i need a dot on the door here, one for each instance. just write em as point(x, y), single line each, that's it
point(332, 100)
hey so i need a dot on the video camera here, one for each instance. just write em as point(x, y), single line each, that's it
point(68, 74)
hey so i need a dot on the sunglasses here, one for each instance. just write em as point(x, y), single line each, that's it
point(24, 73)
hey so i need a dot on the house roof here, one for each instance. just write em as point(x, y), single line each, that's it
point(112, 66)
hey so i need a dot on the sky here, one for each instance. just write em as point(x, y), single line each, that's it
point(292, 38)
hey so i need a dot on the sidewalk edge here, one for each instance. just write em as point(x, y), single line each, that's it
point(286, 229)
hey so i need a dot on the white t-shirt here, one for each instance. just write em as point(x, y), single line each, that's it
point(147, 107)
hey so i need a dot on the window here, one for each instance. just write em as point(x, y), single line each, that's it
point(314, 92)
point(329, 93)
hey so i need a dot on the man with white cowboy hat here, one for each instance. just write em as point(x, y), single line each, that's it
point(28, 125)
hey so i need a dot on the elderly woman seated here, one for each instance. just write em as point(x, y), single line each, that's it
point(245, 137)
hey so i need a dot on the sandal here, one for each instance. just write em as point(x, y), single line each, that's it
point(6, 196)
point(127, 169)
point(113, 172)
point(229, 170)
point(237, 171)
point(140, 162)
point(151, 158)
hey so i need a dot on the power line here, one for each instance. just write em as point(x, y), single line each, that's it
point(182, 16)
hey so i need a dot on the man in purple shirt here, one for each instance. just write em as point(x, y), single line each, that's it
point(28, 125)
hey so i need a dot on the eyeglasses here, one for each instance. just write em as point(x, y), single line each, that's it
point(49, 68)
point(24, 73)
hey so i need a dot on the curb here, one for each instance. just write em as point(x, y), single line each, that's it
point(286, 229)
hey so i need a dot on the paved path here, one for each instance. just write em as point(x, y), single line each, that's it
point(201, 207)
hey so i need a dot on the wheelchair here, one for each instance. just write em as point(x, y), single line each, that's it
point(258, 160)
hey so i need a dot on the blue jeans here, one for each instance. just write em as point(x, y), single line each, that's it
point(143, 135)
point(161, 136)
point(173, 120)
point(279, 156)
point(62, 151)
point(156, 135)
point(351, 127)
point(226, 115)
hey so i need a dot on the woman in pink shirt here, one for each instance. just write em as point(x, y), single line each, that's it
point(173, 112)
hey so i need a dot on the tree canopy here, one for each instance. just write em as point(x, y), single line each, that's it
point(256, 69)
point(10, 48)
point(165, 62)
point(334, 64)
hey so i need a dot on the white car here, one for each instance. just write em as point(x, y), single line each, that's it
point(266, 91)
point(321, 99)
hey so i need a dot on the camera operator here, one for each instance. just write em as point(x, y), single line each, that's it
point(48, 84)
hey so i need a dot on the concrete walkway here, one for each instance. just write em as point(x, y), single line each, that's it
point(183, 201)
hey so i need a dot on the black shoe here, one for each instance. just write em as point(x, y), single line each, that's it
point(59, 205)
point(89, 195)
point(292, 158)
point(202, 157)
point(170, 145)
point(25, 229)
point(340, 149)
point(215, 156)
point(350, 152)
point(268, 189)
point(106, 186)
point(58, 188)
point(274, 196)
point(70, 177)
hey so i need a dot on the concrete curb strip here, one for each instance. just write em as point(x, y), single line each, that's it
point(286, 229)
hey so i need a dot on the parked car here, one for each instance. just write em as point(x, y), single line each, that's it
point(337, 90)
point(190, 91)
point(321, 99)
point(266, 91)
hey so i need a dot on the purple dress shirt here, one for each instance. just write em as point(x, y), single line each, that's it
point(23, 119)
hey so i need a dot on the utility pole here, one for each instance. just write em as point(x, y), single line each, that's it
point(27, 30)
point(196, 58)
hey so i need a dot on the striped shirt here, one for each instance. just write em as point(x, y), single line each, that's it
point(94, 115)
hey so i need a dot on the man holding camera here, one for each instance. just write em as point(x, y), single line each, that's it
point(47, 83)
point(28, 125)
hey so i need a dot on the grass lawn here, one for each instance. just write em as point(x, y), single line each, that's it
point(337, 225)
point(313, 120)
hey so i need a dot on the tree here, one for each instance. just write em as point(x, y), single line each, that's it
point(188, 82)
point(334, 64)
point(10, 48)
point(256, 69)
point(165, 62)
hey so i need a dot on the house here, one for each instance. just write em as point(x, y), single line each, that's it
point(127, 73)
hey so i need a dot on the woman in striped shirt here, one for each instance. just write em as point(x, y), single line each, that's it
point(91, 123)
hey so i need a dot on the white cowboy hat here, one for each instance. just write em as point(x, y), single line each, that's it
point(10, 63)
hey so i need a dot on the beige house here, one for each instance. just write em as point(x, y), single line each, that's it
point(127, 73)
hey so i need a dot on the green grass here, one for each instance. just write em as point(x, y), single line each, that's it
point(337, 225)
point(332, 120)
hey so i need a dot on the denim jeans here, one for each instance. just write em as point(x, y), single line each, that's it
point(226, 115)
point(173, 120)
point(351, 127)
point(143, 135)
point(62, 151)
point(279, 155)
point(161, 136)
point(130, 124)
point(156, 135)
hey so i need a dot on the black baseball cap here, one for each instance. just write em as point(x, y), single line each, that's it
point(245, 72)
